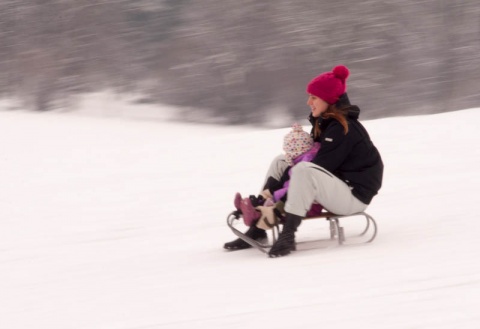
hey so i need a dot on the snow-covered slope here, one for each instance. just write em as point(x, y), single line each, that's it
point(118, 224)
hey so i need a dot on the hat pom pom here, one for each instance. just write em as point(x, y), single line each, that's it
point(297, 128)
point(341, 72)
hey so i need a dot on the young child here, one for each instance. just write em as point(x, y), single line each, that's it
point(298, 146)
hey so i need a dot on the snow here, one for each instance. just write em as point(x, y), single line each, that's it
point(111, 223)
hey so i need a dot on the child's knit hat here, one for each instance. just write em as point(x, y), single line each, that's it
point(329, 86)
point(296, 142)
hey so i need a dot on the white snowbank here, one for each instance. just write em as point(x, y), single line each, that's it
point(110, 223)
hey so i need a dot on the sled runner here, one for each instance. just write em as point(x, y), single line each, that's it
point(337, 231)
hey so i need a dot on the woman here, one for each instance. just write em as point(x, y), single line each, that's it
point(345, 174)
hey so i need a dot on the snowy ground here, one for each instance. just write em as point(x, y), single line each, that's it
point(119, 224)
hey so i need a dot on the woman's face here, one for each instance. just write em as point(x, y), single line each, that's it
point(317, 105)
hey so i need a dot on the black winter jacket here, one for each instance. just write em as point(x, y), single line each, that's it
point(352, 157)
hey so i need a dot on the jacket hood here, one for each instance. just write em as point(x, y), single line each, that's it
point(354, 112)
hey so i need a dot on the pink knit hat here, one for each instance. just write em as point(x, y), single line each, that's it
point(296, 142)
point(329, 86)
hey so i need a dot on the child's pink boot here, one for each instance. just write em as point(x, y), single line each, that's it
point(237, 201)
point(250, 215)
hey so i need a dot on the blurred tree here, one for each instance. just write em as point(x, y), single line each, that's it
point(242, 60)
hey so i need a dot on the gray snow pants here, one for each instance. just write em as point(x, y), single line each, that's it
point(309, 183)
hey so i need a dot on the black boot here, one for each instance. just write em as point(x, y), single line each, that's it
point(253, 232)
point(286, 240)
